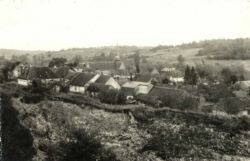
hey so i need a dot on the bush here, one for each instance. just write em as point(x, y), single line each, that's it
point(108, 96)
point(81, 147)
point(215, 92)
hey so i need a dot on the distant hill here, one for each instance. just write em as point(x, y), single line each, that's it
point(8, 53)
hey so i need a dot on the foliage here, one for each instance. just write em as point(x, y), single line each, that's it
point(137, 61)
point(190, 76)
point(104, 57)
point(81, 147)
point(228, 76)
point(108, 96)
point(58, 62)
point(180, 59)
point(226, 49)
point(214, 92)
point(185, 141)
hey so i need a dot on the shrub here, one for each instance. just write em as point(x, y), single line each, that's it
point(215, 92)
point(81, 147)
point(108, 96)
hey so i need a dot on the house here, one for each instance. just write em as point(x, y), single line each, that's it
point(173, 75)
point(43, 74)
point(155, 72)
point(108, 81)
point(19, 69)
point(244, 85)
point(167, 69)
point(63, 71)
point(132, 88)
point(80, 82)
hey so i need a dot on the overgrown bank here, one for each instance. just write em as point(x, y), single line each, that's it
point(55, 130)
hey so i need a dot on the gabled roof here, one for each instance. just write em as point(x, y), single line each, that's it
point(122, 66)
point(158, 91)
point(134, 84)
point(62, 71)
point(71, 75)
point(127, 91)
point(155, 72)
point(38, 73)
point(103, 79)
point(81, 79)
point(143, 77)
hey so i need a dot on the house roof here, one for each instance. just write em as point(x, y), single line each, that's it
point(71, 75)
point(155, 72)
point(158, 91)
point(81, 79)
point(103, 79)
point(122, 66)
point(62, 71)
point(38, 73)
point(143, 77)
point(134, 84)
point(127, 91)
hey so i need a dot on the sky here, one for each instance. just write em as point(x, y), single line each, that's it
point(62, 24)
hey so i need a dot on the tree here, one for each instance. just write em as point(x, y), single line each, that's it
point(194, 77)
point(58, 62)
point(180, 59)
point(228, 76)
point(77, 59)
point(108, 96)
point(191, 76)
point(81, 147)
point(187, 75)
point(137, 61)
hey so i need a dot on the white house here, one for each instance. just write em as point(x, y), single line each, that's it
point(244, 85)
point(81, 81)
point(108, 80)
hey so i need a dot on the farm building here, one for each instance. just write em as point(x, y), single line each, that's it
point(244, 85)
point(43, 74)
point(62, 72)
point(132, 88)
point(108, 81)
point(81, 81)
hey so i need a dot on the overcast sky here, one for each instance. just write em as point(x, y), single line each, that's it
point(57, 24)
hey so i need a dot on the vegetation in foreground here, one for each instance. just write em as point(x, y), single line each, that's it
point(60, 131)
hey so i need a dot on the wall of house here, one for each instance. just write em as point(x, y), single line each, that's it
point(23, 82)
point(77, 89)
point(113, 83)
point(177, 79)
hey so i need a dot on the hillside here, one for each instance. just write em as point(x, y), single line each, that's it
point(55, 130)
point(8, 53)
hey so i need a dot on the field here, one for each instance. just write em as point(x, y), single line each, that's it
point(169, 56)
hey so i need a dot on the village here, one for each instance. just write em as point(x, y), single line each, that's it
point(131, 80)
point(124, 107)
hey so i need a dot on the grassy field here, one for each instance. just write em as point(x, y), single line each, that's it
point(169, 56)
